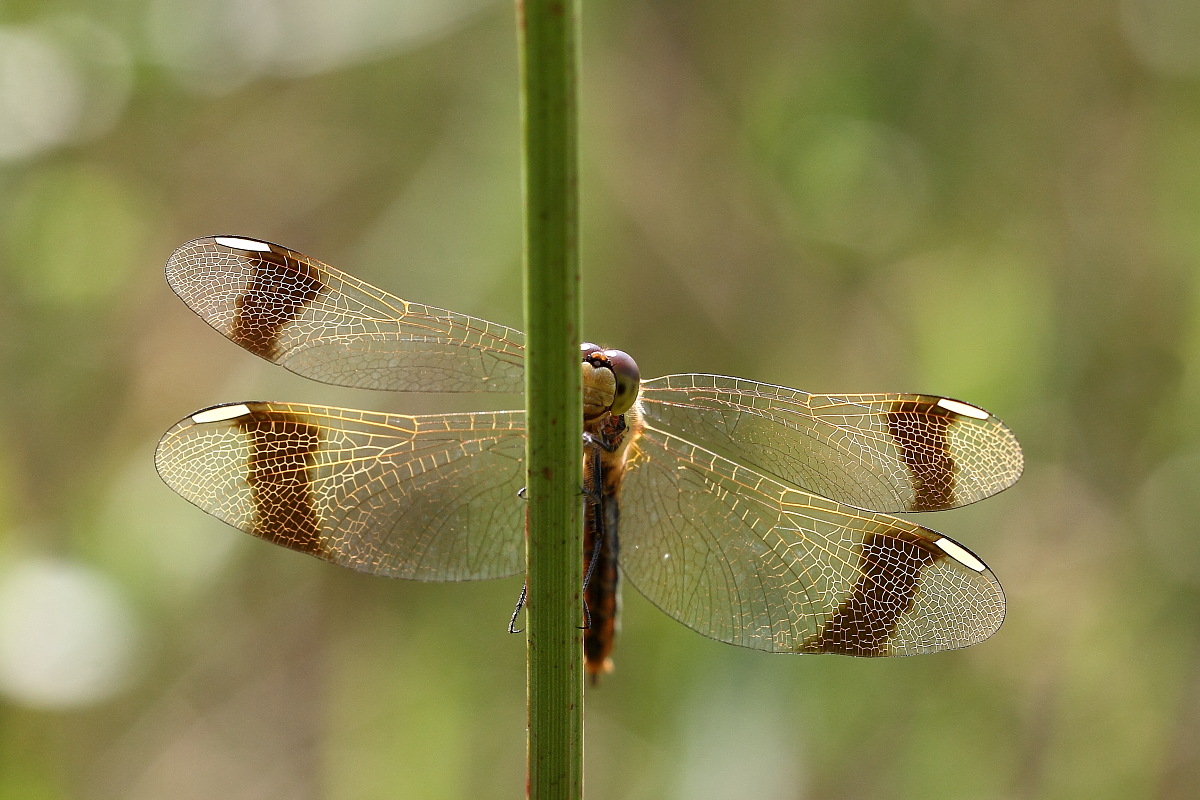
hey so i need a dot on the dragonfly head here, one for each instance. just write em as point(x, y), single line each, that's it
point(610, 381)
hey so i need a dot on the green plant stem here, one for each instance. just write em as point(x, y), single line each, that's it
point(547, 33)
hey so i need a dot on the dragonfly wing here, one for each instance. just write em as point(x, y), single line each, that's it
point(883, 452)
point(747, 560)
point(329, 326)
point(425, 498)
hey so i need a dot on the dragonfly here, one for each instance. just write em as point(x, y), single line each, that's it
point(755, 514)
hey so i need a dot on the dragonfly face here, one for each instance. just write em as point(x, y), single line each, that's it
point(611, 381)
point(755, 514)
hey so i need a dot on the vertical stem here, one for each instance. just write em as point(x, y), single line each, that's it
point(547, 31)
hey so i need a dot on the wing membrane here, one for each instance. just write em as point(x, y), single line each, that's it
point(331, 327)
point(744, 559)
point(883, 452)
point(419, 497)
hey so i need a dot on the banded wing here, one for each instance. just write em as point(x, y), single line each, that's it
point(328, 326)
point(747, 560)
point(883, 452)
point(424, 498)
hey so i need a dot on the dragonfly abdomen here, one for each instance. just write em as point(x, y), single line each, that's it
point(603, 473)
point(601, 592)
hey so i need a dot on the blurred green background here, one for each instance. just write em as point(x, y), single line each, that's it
point(995, 201)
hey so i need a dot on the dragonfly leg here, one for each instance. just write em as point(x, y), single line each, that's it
point(608, 443)
point(512, 621)
point(587, 577)
point(592, 559)
point(592, 491)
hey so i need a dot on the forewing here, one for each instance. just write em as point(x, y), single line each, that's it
point(328, 326)
point(883, 452)
point(426, 498)
point(744, 559)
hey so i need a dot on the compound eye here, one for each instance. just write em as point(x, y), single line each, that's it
point(628, 380)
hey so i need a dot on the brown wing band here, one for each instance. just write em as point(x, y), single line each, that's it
point(891, 565)
point(272, 301)
point(282, 449)
point(921, 434)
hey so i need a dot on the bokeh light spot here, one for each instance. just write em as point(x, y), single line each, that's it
point(66, 635)
point(40, 94)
